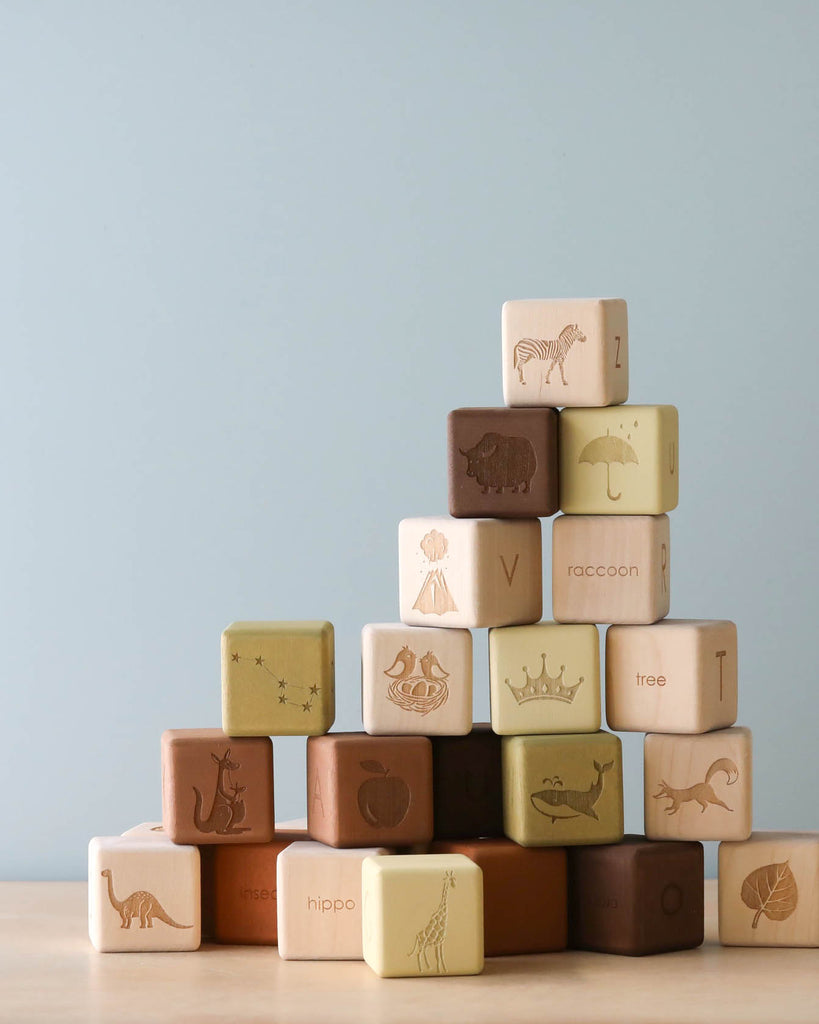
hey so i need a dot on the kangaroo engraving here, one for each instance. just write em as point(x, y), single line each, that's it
point(432, 936)
point(227, 809)
point(141, 904)
point(703, 793)
point(580, 800)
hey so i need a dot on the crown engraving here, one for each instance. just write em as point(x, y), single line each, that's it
point(544, 687)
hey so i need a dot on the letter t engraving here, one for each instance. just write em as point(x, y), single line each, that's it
point(720, 655)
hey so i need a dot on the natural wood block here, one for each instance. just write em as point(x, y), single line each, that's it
point(677, 676)
point(416, 680)
point(524, 894)
point(467, 786)
point(143, 895)
point(469, 572)
point(544, 678)
point(423, 915)
point(563, 790)
point(216, 789)
point(698, 787)
point(369, 790)
point(278, 678)
point(611, 568)
point(621, 461)
point(320, 901)
point(769, 890)
point(502, 463)
point(151, 830)
point(636, 897)
point(565, 352)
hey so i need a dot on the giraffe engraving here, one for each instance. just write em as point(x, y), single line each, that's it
point(432, 936)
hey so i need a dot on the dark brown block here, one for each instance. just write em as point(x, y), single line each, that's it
point(524, 894)
point(636, 897)
point(207, 892)
point(369, 790)
point(502, 463)
point(216, 789)
point(467, 784)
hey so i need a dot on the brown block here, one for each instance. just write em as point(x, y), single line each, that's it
point(369, 790)
point(502, 463)
point(467, 784)
point(216, 789)
point(524, 895)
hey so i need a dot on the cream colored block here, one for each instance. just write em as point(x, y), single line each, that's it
point(151, 830)
point(621, 461)
point(769, 890)
point(611, 568)
point(319, 901)
point(423, 915)
point(544, 678)
point(565, 352)
point(677, 676)
point(142, 896)
point(469, 572)
point(698, 787)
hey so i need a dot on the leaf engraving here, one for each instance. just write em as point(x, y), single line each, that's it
point(373, 766)
point(770, 890)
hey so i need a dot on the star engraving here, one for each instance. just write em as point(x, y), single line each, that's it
point(314, 689)
point(282, 699)
point(282, 684)
point(259, 660)
point(235, 656)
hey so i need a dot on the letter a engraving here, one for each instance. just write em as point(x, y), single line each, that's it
point(510, 575)
point(318, 802)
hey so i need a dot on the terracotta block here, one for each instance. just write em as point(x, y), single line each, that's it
point(369, 790)
point(524, 895)
point(769, 890)
point(678, 676)
point(563, 790)
point(611, 568)
point(416, 680)
point(278, 678)
point(502, 463)
point(698, 787)
point(565, 352)
point(216, 789)
point(636, 897)
point(467, 786)
point(621, 461)
point(544, 678)
point(423, 915)
point(143, 896)
point(469, 572)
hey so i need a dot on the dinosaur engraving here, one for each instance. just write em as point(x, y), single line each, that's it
point(227, 809)
point(433, 934)
point(581, 801)
point(141, 904)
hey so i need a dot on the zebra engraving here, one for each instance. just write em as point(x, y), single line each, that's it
point(556, 350)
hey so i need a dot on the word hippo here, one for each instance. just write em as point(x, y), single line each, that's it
point(499, 462)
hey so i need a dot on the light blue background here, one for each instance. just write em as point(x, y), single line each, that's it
point(253, 253)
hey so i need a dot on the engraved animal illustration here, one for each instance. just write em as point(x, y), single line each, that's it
point(140, 904)
point(556, 351)
point(702, 792)
point(581, 801)
point(432, 936)
point(498, 462)
point(411, 691)
point(227, 809)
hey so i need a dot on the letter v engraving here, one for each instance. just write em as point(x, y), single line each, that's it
point(510, 575)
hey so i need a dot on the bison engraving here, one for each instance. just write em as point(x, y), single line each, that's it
point(500, 462)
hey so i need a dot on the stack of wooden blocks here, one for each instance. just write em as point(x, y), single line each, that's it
point(431, 842)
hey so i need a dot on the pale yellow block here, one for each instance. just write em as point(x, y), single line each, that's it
point(698, 787)
point(142, 896)
point(769, 890)
point(319, 901)
point(621, 461)
point(278, 678)
point(544, 678)
point(147, 830)
point(677, 676)
point(423, 915)
point(471, 573)
point(565, 352)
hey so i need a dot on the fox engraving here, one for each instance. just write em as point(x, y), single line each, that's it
point(703, 793)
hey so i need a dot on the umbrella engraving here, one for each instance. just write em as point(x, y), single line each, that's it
point(608, 449)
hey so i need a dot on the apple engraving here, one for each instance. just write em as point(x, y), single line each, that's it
point(383, 800)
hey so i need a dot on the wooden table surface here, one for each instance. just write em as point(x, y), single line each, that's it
point(50, 972)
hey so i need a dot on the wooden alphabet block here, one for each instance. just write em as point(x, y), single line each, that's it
point(698, 787)
point(621, 461)
point(677, 676)
point(544, 678)
point(502, 463)
point(636, 897)
point(769, 890)
point(563, 790)
point(524, 894)
point(151, 830)
point(416, 680)
point(467, 788)
point(423, 915)
point(565, 352)
point(469, 572)
point(143, 896)
point(611, 568)
point(278, 678)
point(216, 789)
point(369, 790)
